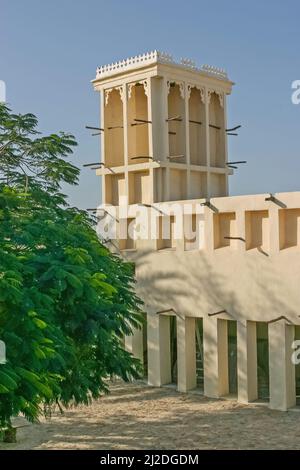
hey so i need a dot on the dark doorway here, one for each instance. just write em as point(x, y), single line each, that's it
point(173, 345)
point(263, 388)
point(199, 353)
point(145, 346)
point(232, 357)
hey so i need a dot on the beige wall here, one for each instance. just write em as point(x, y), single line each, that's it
point(253, 278)
point(257, 283)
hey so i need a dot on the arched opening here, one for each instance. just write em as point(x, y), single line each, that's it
point(138, 125)
point(114, 130)
point(216, 132)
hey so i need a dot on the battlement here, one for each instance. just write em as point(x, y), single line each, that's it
point(265, 224)
point(156, 57)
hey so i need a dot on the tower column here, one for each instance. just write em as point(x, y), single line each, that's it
point(186, 353)
point(151, 117)
point(282, 370)
point(215, 345)
point(124, 97)
point(102, 139)
point(187, 93)
point(225, 140)
point(207, 141)
point(148, 91)
point(165, 110)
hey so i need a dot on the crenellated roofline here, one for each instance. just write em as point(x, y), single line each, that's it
point(157, 57)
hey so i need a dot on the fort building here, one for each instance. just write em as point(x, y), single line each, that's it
point(219, 275)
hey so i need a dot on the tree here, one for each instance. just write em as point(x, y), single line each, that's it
point(65, 300)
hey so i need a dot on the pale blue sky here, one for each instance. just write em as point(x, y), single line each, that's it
point(50, 50)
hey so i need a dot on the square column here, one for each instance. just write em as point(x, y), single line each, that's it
point(225, 140)
point(207, 142)
point(134, 344)
point(282, 370)
point(247, 361)
point(215, 345)
point(186, 354)
point(124, 98)
point(159, 350)
point(102, 142)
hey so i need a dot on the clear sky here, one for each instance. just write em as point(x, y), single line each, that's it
point(50, 50)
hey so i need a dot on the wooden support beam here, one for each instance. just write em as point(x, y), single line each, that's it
point(195, 122)
point(174, 118)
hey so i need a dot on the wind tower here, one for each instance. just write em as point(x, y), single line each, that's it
point(163, 130)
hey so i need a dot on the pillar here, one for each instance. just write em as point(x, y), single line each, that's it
point(225, 141)
point(165, 112)
point(187, 93)
point(207, 142)
point(124, 98)
point(282, 369)
point(247, 361)
point(215, 344)
point(159, 350)
point(102, 143)
point(186, 354)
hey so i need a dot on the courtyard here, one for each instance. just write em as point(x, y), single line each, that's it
point(135, 416)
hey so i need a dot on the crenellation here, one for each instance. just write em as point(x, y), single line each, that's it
point(158, 57)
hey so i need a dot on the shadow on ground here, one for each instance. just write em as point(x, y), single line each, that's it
point(139, 417)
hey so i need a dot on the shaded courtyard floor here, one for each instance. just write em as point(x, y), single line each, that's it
point(135, 416)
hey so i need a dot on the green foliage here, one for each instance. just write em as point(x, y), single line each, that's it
point(65, 300)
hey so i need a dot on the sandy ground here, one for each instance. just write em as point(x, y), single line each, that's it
point(135, 416)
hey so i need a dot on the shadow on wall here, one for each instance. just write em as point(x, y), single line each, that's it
point(250, 287)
